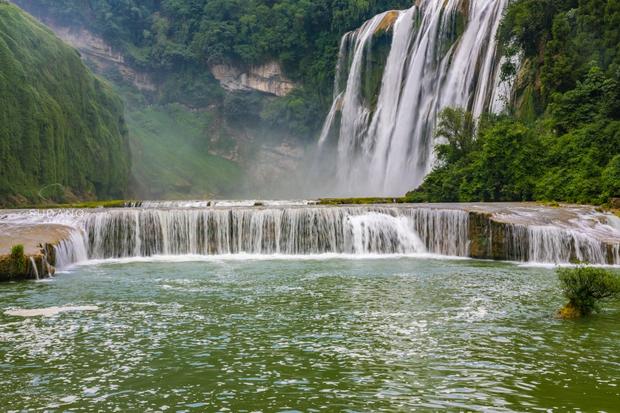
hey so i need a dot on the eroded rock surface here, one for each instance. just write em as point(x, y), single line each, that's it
point(266, 78)
point(38, 241)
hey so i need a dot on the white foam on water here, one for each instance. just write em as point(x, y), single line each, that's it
point(48, 312)
point(262, 257)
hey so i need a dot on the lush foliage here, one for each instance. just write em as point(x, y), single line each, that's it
point(62, 131)
point(175, 42)
point(303, 35)
point(585, 287)
point(561, 138)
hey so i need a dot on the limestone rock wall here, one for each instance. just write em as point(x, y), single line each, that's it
point(266, 78)
point(98, 52)
point(39, 242)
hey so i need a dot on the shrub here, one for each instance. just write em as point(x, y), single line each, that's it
point(584, 287)
point(18, 259)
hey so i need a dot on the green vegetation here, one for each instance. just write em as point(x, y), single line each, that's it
point(177, 39)
point(173, 157)
point(62, 133)
point(361, 201)
point(84, 205)
point(18, 260)
point(585, 287)
point(14, 265)
point(175, 42)
point(560, 139)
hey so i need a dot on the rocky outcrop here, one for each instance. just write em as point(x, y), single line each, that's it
point(102, 55)
point(276, 166)
point(529, 233)
point(266, 78)
point(39, 252)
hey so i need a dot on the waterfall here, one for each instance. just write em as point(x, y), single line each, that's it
point(515, 232)
point(442, 54)
point(290, 231)
point(557, 245)
point(560, 246)
point(33, 268)
point(71, 250)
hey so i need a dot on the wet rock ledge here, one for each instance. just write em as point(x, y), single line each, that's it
point(38, 258)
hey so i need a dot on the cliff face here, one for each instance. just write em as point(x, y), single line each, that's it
point(102, 55)
point(62, 130)
point(266, 78)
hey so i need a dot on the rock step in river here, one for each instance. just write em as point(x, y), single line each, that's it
point(523, 232)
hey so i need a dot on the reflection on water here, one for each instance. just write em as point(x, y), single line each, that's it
point(332, 335)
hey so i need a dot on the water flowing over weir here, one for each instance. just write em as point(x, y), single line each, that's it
point(442, 53)
point(514, 232)
point(290, 231)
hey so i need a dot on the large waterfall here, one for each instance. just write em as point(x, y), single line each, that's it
point(387, 97)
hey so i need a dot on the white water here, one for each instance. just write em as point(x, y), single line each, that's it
point(536, 234)
point(289, 231)
point(33, 267)
point(49, 312)
point(387, 150)
point(216, 203)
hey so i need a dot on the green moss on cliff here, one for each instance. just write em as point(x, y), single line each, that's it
point(60, 127)
point(174, 157)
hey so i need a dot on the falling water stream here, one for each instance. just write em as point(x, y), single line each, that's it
point(530, 233)
point(443, 53)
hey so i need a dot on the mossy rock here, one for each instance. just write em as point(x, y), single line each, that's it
point(569, 312)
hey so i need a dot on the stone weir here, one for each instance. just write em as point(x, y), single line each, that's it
point(510, 232)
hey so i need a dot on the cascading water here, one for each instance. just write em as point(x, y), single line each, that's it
point(291, 231)
point(442, 54)
point(71, 250)
point(517, 232)
point(34, 269)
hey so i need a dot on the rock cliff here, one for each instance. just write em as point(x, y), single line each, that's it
point(266, 78)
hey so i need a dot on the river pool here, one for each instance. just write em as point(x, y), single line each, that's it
point(397, 334)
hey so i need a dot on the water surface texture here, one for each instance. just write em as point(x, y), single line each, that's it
point(303, 335)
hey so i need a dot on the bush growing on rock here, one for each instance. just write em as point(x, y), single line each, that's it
point(585, 287)
point(18, 259)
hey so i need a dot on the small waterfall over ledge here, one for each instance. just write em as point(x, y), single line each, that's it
point(394, 75)
point(513, 232)
point(288, 231)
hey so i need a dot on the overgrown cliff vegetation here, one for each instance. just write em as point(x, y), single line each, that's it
point(561, 139)
point(180, 38)
point(236, 144)
point(62, 132)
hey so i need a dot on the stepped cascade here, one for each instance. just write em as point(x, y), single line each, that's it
point(442, 53)
point(518, 232)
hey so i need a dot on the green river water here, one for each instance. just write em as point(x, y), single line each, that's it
point(330, 335)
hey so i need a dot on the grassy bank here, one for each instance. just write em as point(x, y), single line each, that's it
point(361, 201)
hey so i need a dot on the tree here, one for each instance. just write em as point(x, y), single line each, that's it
point(458, 128)
point(585, 287)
